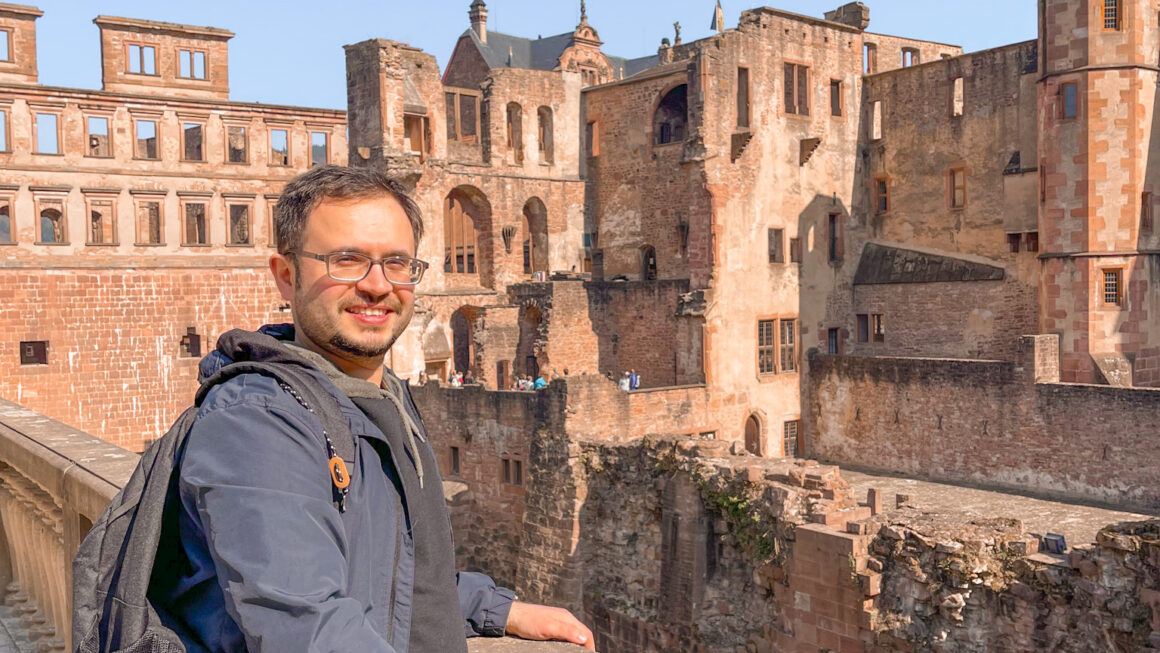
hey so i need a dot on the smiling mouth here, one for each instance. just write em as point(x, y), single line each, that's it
point(368, 311)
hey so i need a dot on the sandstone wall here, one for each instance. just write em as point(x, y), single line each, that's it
point(1000, 424)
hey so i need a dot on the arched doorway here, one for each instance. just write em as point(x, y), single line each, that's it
point(527, 357)
point(534, 236)
point(671, 116)
point(461, 340)
point(648, 263)
point(753, 435)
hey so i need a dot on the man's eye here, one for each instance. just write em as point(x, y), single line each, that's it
point(346, 259)
point(396, 264)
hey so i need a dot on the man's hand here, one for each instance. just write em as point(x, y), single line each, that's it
point(540, 622)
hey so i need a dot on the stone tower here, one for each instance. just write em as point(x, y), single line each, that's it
point(1099, 178)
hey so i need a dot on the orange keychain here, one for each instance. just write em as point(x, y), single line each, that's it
point(338, 473)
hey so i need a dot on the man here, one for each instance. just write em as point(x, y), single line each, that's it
point(268, 560)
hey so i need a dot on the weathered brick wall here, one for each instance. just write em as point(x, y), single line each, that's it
point(115, 365)
point(986, 422)
point(636, 325)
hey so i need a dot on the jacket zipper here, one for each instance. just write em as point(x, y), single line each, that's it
point(395, 577)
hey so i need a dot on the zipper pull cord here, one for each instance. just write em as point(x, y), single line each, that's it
point(337, 467)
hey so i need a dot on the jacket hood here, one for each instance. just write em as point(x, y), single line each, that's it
point(266, 345)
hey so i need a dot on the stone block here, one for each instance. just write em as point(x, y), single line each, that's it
point(874, 500)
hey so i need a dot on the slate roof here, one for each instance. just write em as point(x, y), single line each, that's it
point(882, 264)
point(507, 51)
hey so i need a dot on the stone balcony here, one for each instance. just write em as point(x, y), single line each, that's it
point(55, 481)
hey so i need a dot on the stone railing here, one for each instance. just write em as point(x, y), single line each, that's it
point(55, 481)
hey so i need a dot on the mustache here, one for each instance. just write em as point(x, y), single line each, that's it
point(390, 303)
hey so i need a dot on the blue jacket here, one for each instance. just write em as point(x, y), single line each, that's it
point(272, 564)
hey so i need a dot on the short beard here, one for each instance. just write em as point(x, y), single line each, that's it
point(355, 349)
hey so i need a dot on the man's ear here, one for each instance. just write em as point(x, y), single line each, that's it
point(283, 270)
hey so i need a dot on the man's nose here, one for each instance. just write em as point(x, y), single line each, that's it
point(376, 282)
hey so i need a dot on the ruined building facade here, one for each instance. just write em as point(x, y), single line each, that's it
point(135, 221)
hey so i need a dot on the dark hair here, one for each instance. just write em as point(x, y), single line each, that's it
point(306, 191)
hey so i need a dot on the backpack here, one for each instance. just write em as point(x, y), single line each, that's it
point(113, 569)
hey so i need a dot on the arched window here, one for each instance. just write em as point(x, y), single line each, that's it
point(545, 119)
point(753, 435)
point(534, 236)
point(459, 239)
point(5, 223)
point(671, 116)
point(51, 226)
point(515, 131)
point(648, 263)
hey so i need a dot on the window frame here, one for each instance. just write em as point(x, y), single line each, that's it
point(33, 358)
point(1118, 274)
point(1063, 90)
point(877, 328)
point(129, 45)
point(186, 50)
point(9, 199)
point(1116, 21)
point(248, 205)
point(57, 114)
point(837, 98)
point(1147, 211)
point(958, 97)
point(103, 199)
point(744, 103)
point(202, 124)
point(880, 194)
point(184, 210)
point(914, 57)
point(246, 139)
point(326, 155)
point(801, 88)
point(863, 324)
point(270, 146)
point(38, 203)
point(769, 347)
point(776, 250)
point(834, 237)
point(459, 93)
point(957, 183)
point(5, 131)
point(9, 52)
point(108, 118)
point(156, 121)
point(778, 346)
point(138, 202)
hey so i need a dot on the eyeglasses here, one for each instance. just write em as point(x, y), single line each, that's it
point(352, 266)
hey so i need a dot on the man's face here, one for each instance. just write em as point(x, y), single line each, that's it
point(351, 323)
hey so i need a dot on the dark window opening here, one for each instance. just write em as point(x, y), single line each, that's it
point(34, 352)
point(834, 237)
point(742, 97)
point(515, 132)
point(237, 146)
point(795, 250)
point(957, 188)
point(1013, 242)
point(459, 235)
point(190, 344)
point(835, 97)
point(455, 461)
point(1146, 211)
point(671, 117)
point(462, 116)
point(833, 346)
point(547, 147)
point(196, 231)
point(1031, 238)
point(881, 196)
point(776, 246)
point(863, 327)
point(239, 224)
point(648, 260)
point(149, 223)
point(1070, 94)
point(878, 327)
point(102, 226)
point(797, 91)
point(790, 439)
point(191, 142)
point(1111, 14)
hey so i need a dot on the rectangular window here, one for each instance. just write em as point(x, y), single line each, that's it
point(1111, 14)
point(878, 327)
point(797, 90)
point(833, 342)
point(149, 222)
point(834, 237)
point(1013, 242)
point(1113, 291)
point(191, 64)
point(881, 196)
point(98, 131)
point(6, 230)
point(1146, 211)
point(53, 227)
point(776, 246)
point(590, 139)
point(196, 230)
point(146, 139)
point(417, 129)
point(957, 96)
point(455, 461)
point(142, 59)
point(863, 327)
point(237, 145)
point(192, 143)
point(789, 443)
point(766, 347)
point(279, 147)
point(1032, 240)
point(795, 250)
point(3, 131)
point(788, 345)
point(319, 148)
point(742, 97)
point(102, 222)
point(34, 352)
point(47, 136)
point(957, 188)
point(835, 97)
point(518, 475)
point(869, 59)
point(876, 120)
point(909, 57)
point(507, 470)
point(1070, 100)
point(190, 346)
point(5, 45)
point(239, 224)
point(462, 116)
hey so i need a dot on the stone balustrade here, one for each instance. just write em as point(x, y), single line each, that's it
point(55, 481)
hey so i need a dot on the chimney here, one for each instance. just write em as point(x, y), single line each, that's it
point(854, 14)
point(478, 16)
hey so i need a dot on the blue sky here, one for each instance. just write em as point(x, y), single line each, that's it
point(290, 52)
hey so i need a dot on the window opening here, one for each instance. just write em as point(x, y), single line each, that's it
point(790, 439)
point(98, 129)
point(788, 345)
point(957, 96)
point(190, 346)
point(237, 145)
point(46, 134)
point(544, 115)
point(455, 461)
point(34, 352)
point(149, 223)
point(795, 250)
point(909, 57)
point(832, 346)
point(881, 196)
point(797, 97)
point(648, 256)
point(1013, 242)
point(191, 64)
point(142, 59)
point(671, 116)
point(1070, 100)
point(876, 120)
point(3, 131)
point(1146, 211)
point(835, 97)
point(196, 229)
point(957, 181)
point(863, 327)
point(5, 45)
point(279, 147)
point(1032, 240)
point(515, 132)
point(1113, 288)
point(776, 246)
point(102, 223)
point(319, 148)
point(834, 237)
point(462, 116)
point(878, 327)
point(742, 97)
point(459, 236)
point(239, 224)
point(52, 226)
point(5, 220)
point(417, 130)
point(146, 139)
point(591, 134)
point(766, 347)
point(192, 142)
point(753, 435)
point(1111, 14)
point(869, 59)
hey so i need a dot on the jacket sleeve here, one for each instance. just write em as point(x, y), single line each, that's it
point(485, 607)
point(255, 474)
